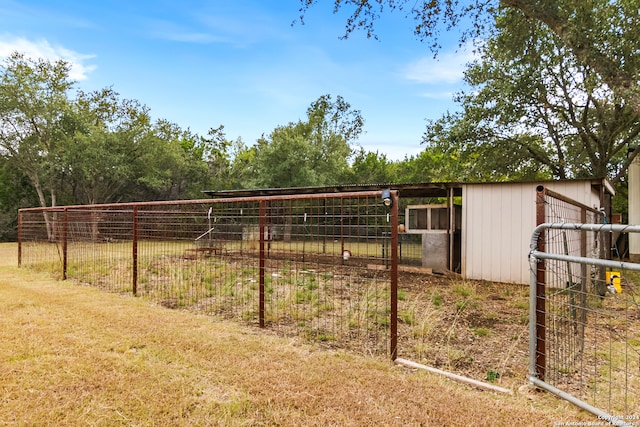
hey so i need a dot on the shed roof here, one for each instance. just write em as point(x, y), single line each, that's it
point(422, 189)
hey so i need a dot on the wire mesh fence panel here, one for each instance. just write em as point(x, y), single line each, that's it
point(586, 334)
point(326, 270)
point(569, 283)
point(320, 266)
point(410, 249)
point(39, 243)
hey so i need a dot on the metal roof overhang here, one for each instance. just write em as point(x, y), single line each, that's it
point(422, 189)
point(405, 190)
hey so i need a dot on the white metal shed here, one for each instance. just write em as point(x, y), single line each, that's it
point(498, 219)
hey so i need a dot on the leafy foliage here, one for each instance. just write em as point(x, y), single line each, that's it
point(373, 167)
point(602, 35)
point(571, 71)
point(35, 119)
point(312, 152)
point(92, 147)
point(533, 110)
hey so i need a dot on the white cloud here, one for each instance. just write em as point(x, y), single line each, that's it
point(209, 28)
point(438, 95)
point(42, 49)
point(446, 68)
point(167, 30)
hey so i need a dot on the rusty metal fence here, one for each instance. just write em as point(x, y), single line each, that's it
point(321, 266)
point(567, 338)
point(584, 311)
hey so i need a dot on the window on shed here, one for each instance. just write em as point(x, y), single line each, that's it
point(424, 218)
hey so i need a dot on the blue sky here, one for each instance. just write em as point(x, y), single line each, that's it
point(242, 63)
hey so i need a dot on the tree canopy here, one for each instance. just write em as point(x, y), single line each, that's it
point(59, 145)
point(84, 148)
point(603, 35)
point(588, 50)
point(312, 152)
point(91, 147)
point(36, 119)
point(534, 109)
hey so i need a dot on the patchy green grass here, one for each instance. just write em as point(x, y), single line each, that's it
point(72, 355)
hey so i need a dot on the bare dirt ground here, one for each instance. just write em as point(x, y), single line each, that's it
point(473, 328)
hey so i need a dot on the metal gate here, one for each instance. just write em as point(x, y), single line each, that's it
point(585, 320)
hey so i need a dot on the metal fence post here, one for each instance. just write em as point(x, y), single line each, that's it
point(262, 228)
point(394, 276)
point(134, 238)
point(19, 238)
point(65, 230)
point(539, 289)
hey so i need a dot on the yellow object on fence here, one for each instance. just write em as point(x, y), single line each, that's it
point(613, 279)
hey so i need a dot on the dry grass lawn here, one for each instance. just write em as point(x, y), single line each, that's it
point(71, 355)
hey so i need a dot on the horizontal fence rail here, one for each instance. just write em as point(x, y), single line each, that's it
point(585, 320)
point(321, 266)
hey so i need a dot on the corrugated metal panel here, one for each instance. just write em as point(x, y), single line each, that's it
point(497, 224)
point(496, 218)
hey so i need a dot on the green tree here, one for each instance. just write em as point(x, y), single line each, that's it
point(172, 164)
point(34, 120)
point(15, 192)
point(373, 168)
point(312, 152)
point(242, 165)
point(602, 35)
point(104, 153)
point(92, 147)
point(536, 111)
point(433, 165)
point(219, 158)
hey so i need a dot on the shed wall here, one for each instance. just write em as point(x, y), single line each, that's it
point(497, 222)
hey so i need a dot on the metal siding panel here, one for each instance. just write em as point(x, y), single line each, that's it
point(463, 233)
point(503, 215)
point(580, 191)
point(526, 226)
point(484, 252)
point(500, 211)
point(467, 232)
point(500, 220)
point(515, 232)
point(497, 224)
point(486, 243)
point(513, 227)
point(473, 268)
point(509, 225)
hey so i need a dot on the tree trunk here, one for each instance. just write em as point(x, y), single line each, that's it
point(43, 204)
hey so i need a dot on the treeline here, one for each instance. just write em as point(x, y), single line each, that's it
point(61, 146)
